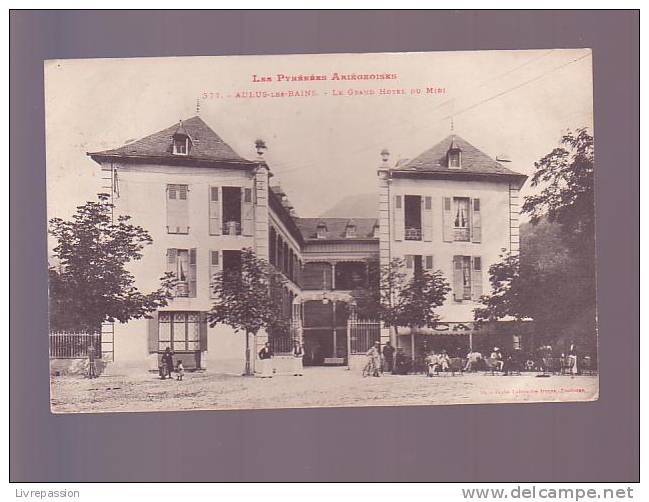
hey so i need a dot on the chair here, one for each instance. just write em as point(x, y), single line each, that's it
point(456, 365)
point(491, 365)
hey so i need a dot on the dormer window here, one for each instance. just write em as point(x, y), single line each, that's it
point(454, 156)
point(321, 231)
point(455, 159)
point(350, 231)
point(181, 141)
point(375, 231)
point(181, 145)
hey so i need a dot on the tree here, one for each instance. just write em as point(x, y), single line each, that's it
point(397, 301)
point(567, 197)
point(553, 281)
point(545, 283)
point(248, 298)
point(91, 285)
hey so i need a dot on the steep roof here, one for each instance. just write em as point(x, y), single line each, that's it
point(336, 228)
point(206, 145)
point(473, 160)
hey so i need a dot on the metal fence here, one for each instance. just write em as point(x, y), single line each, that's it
point(362, 334)
point(71, 345)
point(281, 345)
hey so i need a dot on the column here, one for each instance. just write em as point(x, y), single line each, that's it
point(333, 321)
point(261, 212)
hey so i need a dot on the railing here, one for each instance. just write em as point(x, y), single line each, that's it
point(461, 234)
point(281, 345)
point(71, 345)
point(232, 228)
point(413, 234)
point(362, 334)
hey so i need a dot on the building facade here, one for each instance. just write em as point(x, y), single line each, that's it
point(453, 208)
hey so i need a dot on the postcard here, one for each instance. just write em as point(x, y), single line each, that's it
point(321, 230)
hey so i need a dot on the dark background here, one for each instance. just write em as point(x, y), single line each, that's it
point(596, 441)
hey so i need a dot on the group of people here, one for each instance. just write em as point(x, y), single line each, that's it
point(396, 361)
point(388, 360)
point(166, 369)
point(266, 355)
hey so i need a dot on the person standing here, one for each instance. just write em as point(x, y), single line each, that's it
point(572, 357)
point(180, 370)
point(388, 356)
point(298, 354)
point(92, 367)
point(374, 355)
point(167, 363)
point(265, 358)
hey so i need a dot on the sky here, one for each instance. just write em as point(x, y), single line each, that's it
point(321, 148)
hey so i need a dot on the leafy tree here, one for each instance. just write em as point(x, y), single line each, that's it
point(397, 301)
point(248, 299)
point(91, 284)
point(567, 196)
point(416, 301)
point(553, 280)
point(545, 283)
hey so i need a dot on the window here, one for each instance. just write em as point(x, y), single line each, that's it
point(177, 209)
point(418, 265)
point(182, 263)
point(412, 215)
point(231, 210)
point(461, 218)
point(179, 331)
point(181, 145)
point(232, 260)
point(462, 278)
point(321, 231)
point(350, 231)
point(467, 277)
point(454, 159)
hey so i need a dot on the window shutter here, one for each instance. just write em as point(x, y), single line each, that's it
point(216, 225)
point(399, 218)
point(458, 282)
point(476, 278)
point(247, 212)
point(476, 221)
point(177, 209)
point(214, 268)
point(427, 218)
point(172, 257)
point(447, 216)
point(152, 333)
point(191, 276)
point(428, 264)
point(202, 332)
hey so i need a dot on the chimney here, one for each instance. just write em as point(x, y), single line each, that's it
point(385, 156)
point(503, 157)
point(260, 147)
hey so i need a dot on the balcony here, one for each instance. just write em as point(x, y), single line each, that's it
point(182, 289)
point(461, 234)
point(232, 228)
point(413, 233)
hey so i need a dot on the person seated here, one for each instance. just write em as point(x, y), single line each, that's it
point(443, 361)
point(498, 359)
